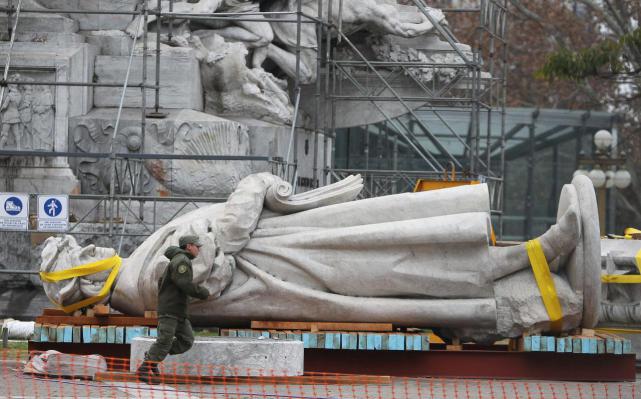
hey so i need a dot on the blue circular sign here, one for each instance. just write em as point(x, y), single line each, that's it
point(52, 207)
point(13, 206)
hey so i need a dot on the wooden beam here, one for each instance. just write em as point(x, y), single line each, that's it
point(320, 326)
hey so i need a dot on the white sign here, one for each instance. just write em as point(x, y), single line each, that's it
point(53, 213)
point(14, 214)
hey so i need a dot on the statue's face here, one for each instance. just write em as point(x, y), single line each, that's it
point(64, 252)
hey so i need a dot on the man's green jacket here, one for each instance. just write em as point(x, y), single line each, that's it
point(176, 285)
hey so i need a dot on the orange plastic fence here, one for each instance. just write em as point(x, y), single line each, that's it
point(32, 375)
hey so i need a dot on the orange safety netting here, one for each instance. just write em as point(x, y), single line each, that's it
point(76, 376)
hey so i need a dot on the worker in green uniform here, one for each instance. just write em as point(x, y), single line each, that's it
point(175, 335)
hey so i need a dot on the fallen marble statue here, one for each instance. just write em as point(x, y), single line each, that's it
point(414, 259)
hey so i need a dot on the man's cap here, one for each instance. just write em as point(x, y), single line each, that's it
point(184, 240)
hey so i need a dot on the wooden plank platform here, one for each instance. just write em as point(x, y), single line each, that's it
point(321, 326)
point(258, 380)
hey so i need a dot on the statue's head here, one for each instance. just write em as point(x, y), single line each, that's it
point(63, 252)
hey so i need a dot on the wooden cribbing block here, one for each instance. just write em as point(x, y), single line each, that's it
point(455, 346)
point(37, 332)
point(120, 335)
point(111, 334)
point(151, 314)
point(76, 332)
point(321, 326)
point(101, 310)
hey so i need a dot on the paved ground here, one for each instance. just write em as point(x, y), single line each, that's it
point(16, 385)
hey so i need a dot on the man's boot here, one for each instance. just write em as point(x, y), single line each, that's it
point(148, 371)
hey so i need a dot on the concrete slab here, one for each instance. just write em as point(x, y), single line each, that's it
point(229, 356)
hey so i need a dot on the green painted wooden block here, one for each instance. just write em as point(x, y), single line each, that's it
point(76, 334)
point(37, 332)
point(593, 345)
point(295, 336)
point(349, 341)
point(544, 344)
point(241, 333)
point(384, 342)
point(52, 332)
point(329, 341)
point(362, 341)
point(120, 335)
point(320, 340)
point(618, 347)
point(111, 334)
point(425, 342)
point(86, 334)
point(568, 344)
point(600, 346)
point(409, 342)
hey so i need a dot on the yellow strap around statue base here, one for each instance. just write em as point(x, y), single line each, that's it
point(112, 264)
point(544, 280)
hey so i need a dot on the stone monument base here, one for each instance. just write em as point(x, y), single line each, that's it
point(228, 356)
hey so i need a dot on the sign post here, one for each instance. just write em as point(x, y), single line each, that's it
point(14, 214)
point(53, 213)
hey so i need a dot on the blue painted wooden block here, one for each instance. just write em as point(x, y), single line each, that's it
point(527, 344)
point(37, 332)
point(551, 344)
point(102, 334)
point(384, 342)
point(232, 333)
point(362, 341)
point(297, 336)
point(369, 345)
point(560, 345)
point(425, 342)
point(264, 334)
point(378, 342)
point(133, 332)
point(600, 346)
point(618, 347)
point(627, 346)
point(95, 334)
point(310, 340)
point(86, 334)
point(153, 332)
point(593, 345)
point(241, 333)
point(352, 341)
point(577, 345)
point(120, 335)
point(344, 341)
point(609, 345)
point(111, 334)
point(60, 333)
point(409, 342)
point(536, 343)
point(44, 333)
point(337, 341)
point(76, 334)
point(329, 341)
point(67, 334)
point(396, 342)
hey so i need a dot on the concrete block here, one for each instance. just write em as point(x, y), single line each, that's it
point(179, 80)
point(110, 42)
point(41, 23)
point(230, 356)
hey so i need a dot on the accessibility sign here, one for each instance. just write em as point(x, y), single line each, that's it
point(53, 213)
point(14, 214)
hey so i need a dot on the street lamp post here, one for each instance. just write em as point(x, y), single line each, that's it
point(606, 171)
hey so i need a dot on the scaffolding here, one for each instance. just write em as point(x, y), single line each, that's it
point(477, 86)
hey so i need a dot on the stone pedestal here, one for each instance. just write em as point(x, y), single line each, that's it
point(228, 356)
point(179, 80)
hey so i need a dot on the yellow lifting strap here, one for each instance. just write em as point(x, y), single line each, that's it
point(630, 231)
point(112, 263)
point(543, 277)
point(625, 278)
